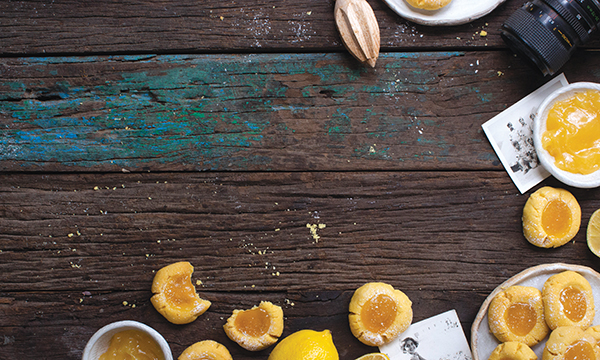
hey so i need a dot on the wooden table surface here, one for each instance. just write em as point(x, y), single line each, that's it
point(139, 133)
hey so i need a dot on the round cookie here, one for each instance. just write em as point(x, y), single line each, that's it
point(428, 4)
point(256, 328)
point(568, 300)
point(379, 313)
point(512, 350)
point(551, 217)
point(570, 342)
point(517, 314)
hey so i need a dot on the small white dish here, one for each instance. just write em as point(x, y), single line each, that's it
point(483, 342)
point(539, 127)
point(99, 342)
point(456, 13)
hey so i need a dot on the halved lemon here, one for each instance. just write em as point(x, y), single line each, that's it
point(593, 233)
point(374, 356)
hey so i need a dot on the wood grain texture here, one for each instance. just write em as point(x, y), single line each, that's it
point(76, 246)
point(138, 133)
point(284, 112)
point(150, 26)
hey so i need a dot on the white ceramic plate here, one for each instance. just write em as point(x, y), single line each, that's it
point(456, 13)
point(483, 342)
point(539, 127)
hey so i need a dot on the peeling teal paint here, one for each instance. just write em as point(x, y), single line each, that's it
point(207, 110)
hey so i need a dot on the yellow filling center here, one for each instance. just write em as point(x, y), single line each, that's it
point(572, 133)
point(520, 318)
point(573, 303)
point(254, 322)
point(556, 218)
point(378, 313)
point(180, 292)
point(580, 350)
point(132, 345)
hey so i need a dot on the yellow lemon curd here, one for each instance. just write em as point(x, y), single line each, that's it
point(132, 345)
point(580, 350)
point(521, 318)
point(572, 133)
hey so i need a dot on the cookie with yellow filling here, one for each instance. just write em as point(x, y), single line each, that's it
point(568, 300)
point(257, 328)
point(428, 4)
point(551, 217)
point(512, 350)
point(205, 350)
point(517, 314)
point(378, 313)
point(175, 296)
point(570, 343)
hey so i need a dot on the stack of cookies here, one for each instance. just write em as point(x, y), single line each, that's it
point(521, 317)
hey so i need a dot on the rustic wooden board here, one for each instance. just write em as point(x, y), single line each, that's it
point(146, 26)
point(285, 112)
point(77, 245)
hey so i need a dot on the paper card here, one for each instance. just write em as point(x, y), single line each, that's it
point(440, 337)
point(511, 136)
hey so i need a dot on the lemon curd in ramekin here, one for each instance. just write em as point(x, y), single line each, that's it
point(567, 134)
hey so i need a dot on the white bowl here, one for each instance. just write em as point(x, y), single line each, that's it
point(539, 127)
point(99, 342)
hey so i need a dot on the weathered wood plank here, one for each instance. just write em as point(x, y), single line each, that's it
point(71, 253)
point(142, 26)
point(288, 112)
point(70, 232)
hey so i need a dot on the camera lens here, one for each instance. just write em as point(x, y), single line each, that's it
point(546, 32)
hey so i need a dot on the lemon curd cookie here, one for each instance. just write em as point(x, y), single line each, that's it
point(517, 314)
point(570, 343)
point(568, 300)
point(428, 4)
point(512, 350)
point(206, 350)
point(175, 296)
point(378, 313)
point(257, 328)
point(551, 217)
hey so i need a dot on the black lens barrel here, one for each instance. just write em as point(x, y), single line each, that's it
point(546, 32)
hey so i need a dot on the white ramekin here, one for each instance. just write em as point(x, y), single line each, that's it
point(539, 127)
point(99, 342)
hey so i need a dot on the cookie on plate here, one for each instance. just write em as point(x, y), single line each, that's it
point(570, 342)
point(568, 300)
point(517, 314)
point(512, 350)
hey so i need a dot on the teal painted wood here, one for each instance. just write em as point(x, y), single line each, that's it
point(256, 112)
